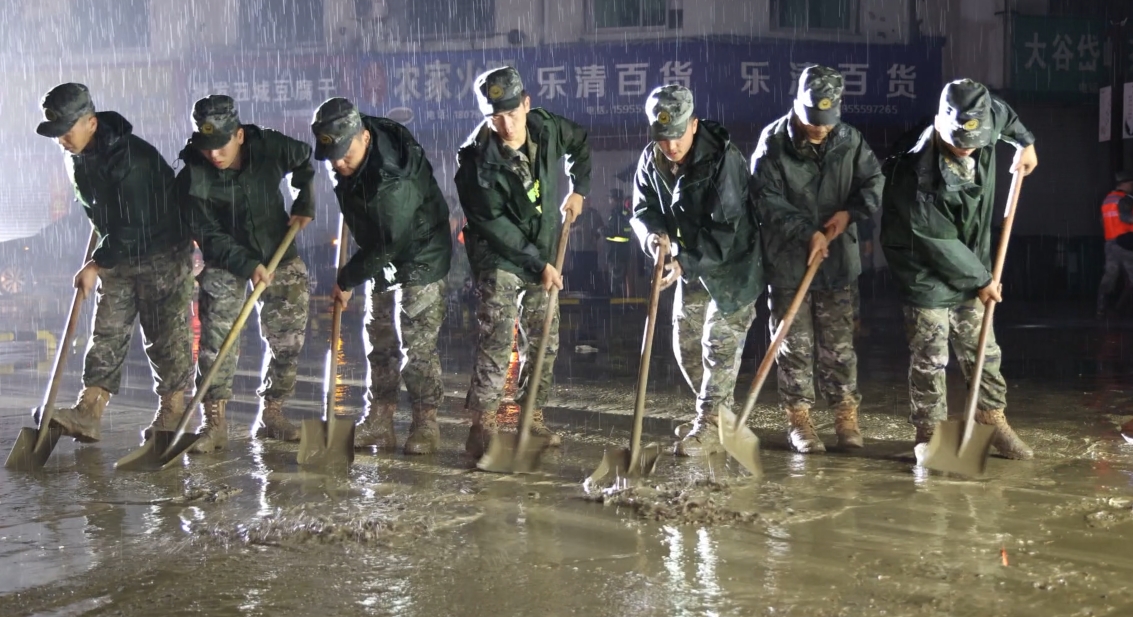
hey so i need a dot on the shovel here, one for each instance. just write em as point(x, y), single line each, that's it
point(330, 440)
point(738, 440)
point(165, 448)
point(619, 464)
point(34, 445)
point(962, 448)
point(520, 452)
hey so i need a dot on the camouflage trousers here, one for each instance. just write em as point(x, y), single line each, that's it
point(709, 346)
point(503, 298)
point(402, 326)
point(1117, 260)
point(929, 332)
point(155, 290)
point(823, 327)
point(282, 311)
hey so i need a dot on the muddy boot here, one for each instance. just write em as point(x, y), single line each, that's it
point(424, 435)
point(920, 442)
point(1127, 430)
point(484, 427)
point(701, 437)
point(1005, 440)
point(376, 429)
point(539, 429)
point(84, 420)
point(214, 429)
point(846, 426)
point(169, 412)
point(801, 434)
point(273, 425)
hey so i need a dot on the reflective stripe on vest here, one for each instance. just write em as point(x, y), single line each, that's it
point(1111, 219)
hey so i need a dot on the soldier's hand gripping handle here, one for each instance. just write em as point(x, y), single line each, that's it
point(818, 246)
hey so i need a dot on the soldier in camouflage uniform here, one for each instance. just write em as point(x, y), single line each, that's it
point(508, 170)
point(936, 226)
point(229, 190)
point(143, 261)
point(691, 196)
point(813, 179)
point(395, 210)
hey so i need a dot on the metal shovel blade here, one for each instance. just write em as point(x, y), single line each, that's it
point(503, 455)
point(616, 466)
point(741, 444)
point(945, 454)
point(156, 453)
point(317, 451)
point(24, 456)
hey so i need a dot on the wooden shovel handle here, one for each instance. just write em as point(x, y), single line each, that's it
point(646, 353)
point(335, 324)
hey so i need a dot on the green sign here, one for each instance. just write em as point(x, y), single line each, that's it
point(1057, 57)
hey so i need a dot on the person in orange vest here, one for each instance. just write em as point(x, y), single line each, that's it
point(1117, 221)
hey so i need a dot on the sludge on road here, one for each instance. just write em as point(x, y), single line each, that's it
point(249, 532)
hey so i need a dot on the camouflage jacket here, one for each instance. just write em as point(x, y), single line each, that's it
point(126, 188)
point(796, 193)
point(707, 215)
point(237, 215)
point(937, 235)
point(506, 229)
point(395, 211)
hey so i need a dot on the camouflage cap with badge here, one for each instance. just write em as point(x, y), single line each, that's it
point(818, 101)
point(215, 121)
point(334, 125)
point(499, 90)
point(62, 106)
point(669, 109)
point(964, 115)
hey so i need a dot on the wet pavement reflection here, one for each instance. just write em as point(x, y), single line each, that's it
point(249, 532)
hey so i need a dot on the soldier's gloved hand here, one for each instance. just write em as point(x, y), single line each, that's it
point(572, 207)
point(551, 278)
point(1025, 160)
point(836, 225)
point(818, 247)
point(341, 297)
point(672, 274)
point(86, 279)
point(261, 275)
point(993, 291)
point(303, 221)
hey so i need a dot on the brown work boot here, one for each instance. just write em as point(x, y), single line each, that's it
point(424, 435)
point(701, 437)
point(169, 412)
point(484, 427)
point(539, 429)
point(214, 429)
point(924, 433)
point(376, 429)
point(272, 424)
point(1005, 440)
point(83, 422)
point(801, 434)
point(846, 426)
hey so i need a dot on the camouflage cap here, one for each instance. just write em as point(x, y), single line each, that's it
point(499, 90)
point(964, 115)
point(335, 124)
point(62, 106)
point(669, 109)
point(818, 101)
point(1123, 176)
point(215, 121)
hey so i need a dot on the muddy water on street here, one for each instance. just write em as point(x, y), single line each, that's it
point(865, 533)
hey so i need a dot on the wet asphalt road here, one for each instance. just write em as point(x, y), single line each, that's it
point(867, 533)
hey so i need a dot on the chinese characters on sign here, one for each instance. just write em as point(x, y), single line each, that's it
point(284, 89)
point(1057, 57)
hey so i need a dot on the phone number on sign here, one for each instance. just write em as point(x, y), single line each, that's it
point(869, 109)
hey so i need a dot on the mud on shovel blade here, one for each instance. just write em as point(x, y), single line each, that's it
point(164, 449)
point(520, 452)
point(618, 465)
point(963, 447)
point(329, 441)
point(34, 445)
point(739, 441)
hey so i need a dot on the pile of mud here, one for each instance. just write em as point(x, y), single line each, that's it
point(298, 527)
point(701, 502)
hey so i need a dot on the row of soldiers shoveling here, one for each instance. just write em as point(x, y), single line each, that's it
point(732, 229)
